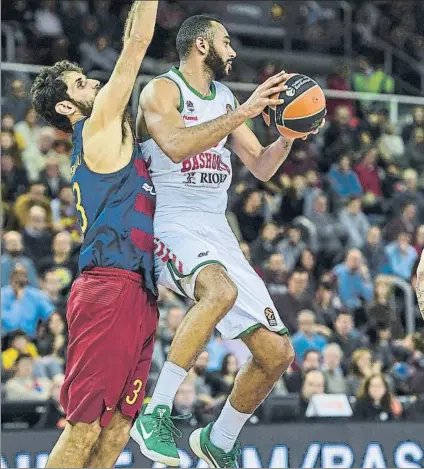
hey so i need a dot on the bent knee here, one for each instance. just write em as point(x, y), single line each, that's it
point(215, 286)
point(281, 358)
point(86, 433)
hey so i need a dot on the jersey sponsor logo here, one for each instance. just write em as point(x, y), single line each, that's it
point(205, 160)
point(208, 179)
point(190, 118)
point(190, 106)
point(270, 317)
point(148, 188)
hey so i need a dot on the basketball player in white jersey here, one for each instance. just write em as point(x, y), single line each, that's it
point(184, 119)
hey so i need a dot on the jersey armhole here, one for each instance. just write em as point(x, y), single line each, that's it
point(181, 105)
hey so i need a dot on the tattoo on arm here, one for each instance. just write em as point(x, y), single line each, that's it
point(420, 293)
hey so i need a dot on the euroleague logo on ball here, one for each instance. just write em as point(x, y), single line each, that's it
point(290, 92)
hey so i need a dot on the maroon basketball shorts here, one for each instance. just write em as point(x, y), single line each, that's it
point(112, 321)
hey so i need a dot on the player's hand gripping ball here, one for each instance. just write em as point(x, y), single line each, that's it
point(303, 110)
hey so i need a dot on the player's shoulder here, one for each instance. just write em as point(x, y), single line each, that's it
point(160, 87)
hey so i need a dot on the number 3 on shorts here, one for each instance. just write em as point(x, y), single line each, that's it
point(80, 209)
point(130, 400)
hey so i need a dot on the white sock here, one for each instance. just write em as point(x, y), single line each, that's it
point(226, 429)
point(169, 381)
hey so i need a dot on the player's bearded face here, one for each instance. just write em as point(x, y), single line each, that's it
point(216, 64)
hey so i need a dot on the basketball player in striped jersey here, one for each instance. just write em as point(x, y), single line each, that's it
point(111, 312)
point(185, 117)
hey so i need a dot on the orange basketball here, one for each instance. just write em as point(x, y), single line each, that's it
point(303, 109)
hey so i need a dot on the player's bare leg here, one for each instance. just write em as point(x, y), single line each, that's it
point(111, 442)
point(216, 294)
point(272, 354)
point(74, 445)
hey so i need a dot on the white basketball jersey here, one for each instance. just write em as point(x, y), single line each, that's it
point(200, 183)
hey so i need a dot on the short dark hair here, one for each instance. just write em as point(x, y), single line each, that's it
point(49, 89)
point(191, 29)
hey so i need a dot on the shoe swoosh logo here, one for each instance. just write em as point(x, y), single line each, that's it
point(145, 434)
point(209, 455)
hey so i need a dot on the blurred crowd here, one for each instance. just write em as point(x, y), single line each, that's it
point(336, 235)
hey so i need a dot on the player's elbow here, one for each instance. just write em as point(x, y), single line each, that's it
point(262, 175)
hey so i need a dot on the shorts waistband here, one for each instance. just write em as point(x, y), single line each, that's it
point(113, 272)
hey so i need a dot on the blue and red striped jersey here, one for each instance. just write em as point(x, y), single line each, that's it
point(115, 212)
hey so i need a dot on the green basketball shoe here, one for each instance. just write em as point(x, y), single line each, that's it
point(202, 446)
point(155, 433)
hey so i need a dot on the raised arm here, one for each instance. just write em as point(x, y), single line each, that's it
point(113, 98)
point(159, 104)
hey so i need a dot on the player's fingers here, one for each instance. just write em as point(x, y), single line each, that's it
point(275, 102)
point(274, 90)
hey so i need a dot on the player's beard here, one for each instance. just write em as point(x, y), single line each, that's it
point(216, 64)
point(86, 109)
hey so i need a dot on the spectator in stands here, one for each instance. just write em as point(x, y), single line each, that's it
point(250, 216)
point(417, 123)
point(291, 247)
point(37, 237)
point(12, 254)
point(23, 387)
point(355, 222)
point(275, 274)
point(369, 177)
point(418, 241)
point(23, 306)
point(293, 200)
point(264, 246)
point(369, 80)
point(222, 382)
point(391, 146)
point(346, 336)
point(18, 344)
point(294, 380)
point(405, 223)
point(339, 137)
point(329, 231)
point(166, 334)
point(354, 281)
point(64, 213)
point(343, 180)
point(186, 402)
point(375, 401)
point(313, 384)
point(415, 151)
point(374, 253)
point(362, 367)
point(56, 417)
point(9, 145)
point(47, 21)
point(339, 81)
point(14, 178)
point(327, 304)
point(401, 256)
point(216, 350)
point(299, 162)
point(51, 178)
point(307, 261)
point(295, 299)
point(51, 285)
point(335, 382)
point(409, 194)
point(382, 310)
point(98, 55)
point(382, 345)
point(35, 196)
point(16, 100)
point(52, 341)
point(309, 335)
point(311, 191)
point(29, 130)
point(62, 260)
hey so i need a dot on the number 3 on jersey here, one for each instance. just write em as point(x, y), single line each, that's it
point(80, 209)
